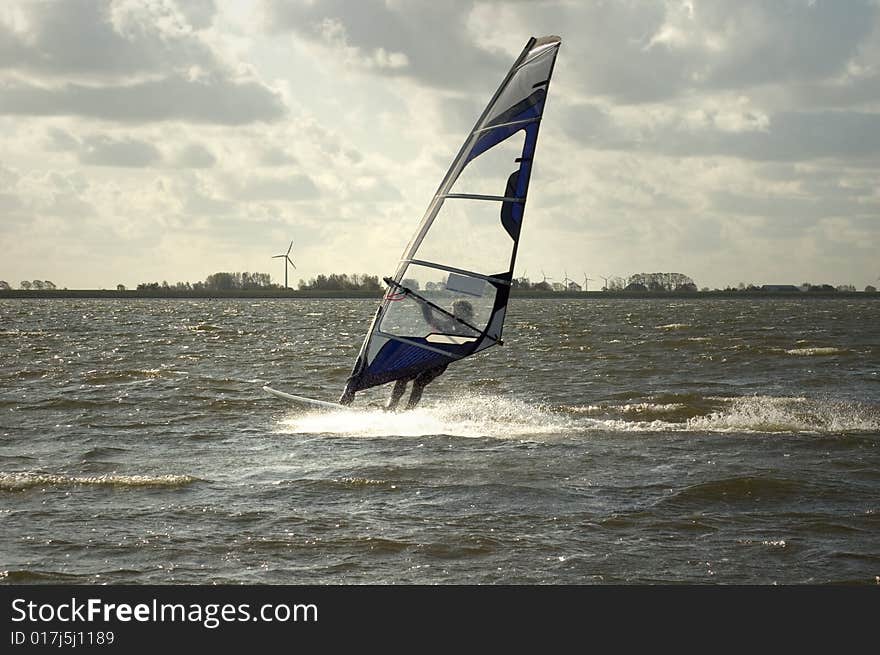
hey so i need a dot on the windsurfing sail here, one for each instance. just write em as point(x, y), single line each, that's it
point(463, 252)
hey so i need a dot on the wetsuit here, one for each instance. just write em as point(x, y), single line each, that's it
point(421, 380)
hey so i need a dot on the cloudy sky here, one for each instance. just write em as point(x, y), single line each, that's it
point(150, 140)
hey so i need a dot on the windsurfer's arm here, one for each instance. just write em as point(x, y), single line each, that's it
point(435, 320)
point(427, 313)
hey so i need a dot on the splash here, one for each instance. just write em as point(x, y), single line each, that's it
point(503, 418)
point(475, 416)
point(26, 480)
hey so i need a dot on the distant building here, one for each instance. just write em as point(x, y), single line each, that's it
point(870, 289)
point(780, 288)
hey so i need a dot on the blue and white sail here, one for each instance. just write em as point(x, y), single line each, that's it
point(465, 246)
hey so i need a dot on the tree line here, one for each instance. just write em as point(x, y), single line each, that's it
point(639, 282)
point(262, 281)
point(27, 285)
point(341, 282)
point(656, 282)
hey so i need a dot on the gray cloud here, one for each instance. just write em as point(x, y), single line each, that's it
point(612, 46)
point(275, 156)
point(790, 136)
point(790, 40)
point(799, 208)
point(199, 13)
point(433, 36)
point(61, 140)
point(215, 100)
point(295, 187)
point(196, 203)
point(9, 202)
point(106, 151)
point(8, 178)
point(195, 156)
point(650, 51)
point(91, 37)
point(126, 62)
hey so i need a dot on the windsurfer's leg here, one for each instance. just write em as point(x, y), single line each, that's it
point(416, 394)
point(347, 396)
point(422, 380)
point(396, 394)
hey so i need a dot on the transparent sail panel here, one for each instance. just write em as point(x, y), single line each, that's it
point(465, 297)
point(469, 235)
point(523, 83)
point(487, 174)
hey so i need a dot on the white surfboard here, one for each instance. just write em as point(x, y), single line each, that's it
point(302, 400)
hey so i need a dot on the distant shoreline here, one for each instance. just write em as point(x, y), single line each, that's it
point(297, 294)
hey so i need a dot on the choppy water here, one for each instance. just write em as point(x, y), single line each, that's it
point(624, 441)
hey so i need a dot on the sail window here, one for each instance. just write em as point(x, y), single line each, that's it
point(468, 234)
point(522, 85)
point(429, 298)
point(465, 284)
point(487, 173)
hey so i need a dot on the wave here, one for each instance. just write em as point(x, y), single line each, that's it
point(344, 483)
point(816, 351)
point(653, 410)
point(26, 576)
point(760, 414)
point(736, 489)
point(101, 452)
point(96, 377)
point(772, 414)
point(21, 481)
point(204, 327)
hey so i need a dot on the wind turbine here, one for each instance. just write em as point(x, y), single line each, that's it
point(605, 288)
point(586, 281)
point(286, 261)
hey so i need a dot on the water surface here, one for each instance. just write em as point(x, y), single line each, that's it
point(729, 441)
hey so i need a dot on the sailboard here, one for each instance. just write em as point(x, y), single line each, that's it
point(310, 403)
point(465, 246)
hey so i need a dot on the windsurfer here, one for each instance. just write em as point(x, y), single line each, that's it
point(462, 310)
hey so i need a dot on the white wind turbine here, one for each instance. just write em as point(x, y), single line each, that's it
point(587, 280)
point(287, 260)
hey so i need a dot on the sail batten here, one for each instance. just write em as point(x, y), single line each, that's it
point(451, 269)
point(447, 298)
point(476, 196)
point(524, 121)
